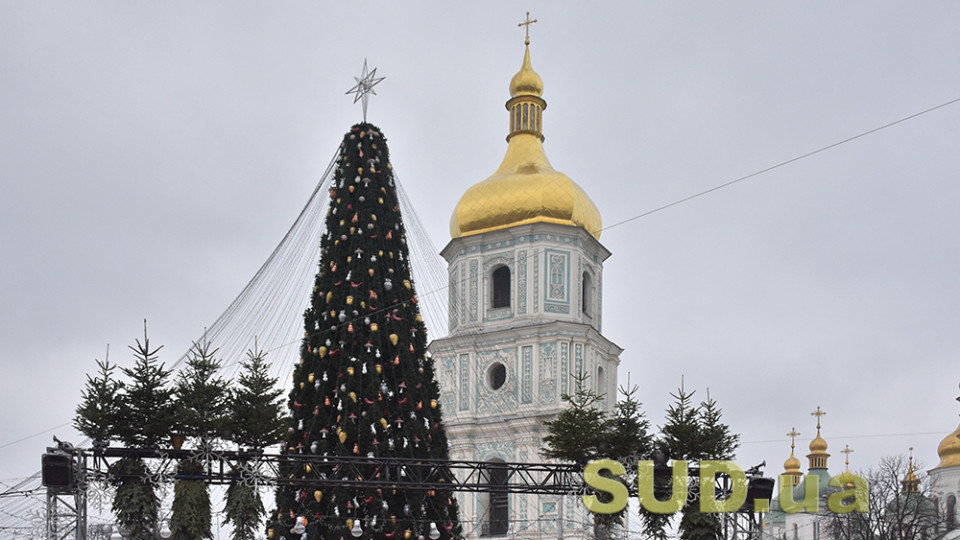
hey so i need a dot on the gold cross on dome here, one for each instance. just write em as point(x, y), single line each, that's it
point(527, 23)
point(793, 436)
point(818, 413)
point(847, 450)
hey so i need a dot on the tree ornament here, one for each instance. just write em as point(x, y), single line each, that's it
point(394, 338)
point(318, 495)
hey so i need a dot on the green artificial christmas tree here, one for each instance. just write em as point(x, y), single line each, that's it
point(364, 385)
point(256, 420)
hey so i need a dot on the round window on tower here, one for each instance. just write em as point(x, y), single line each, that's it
point(496, 375)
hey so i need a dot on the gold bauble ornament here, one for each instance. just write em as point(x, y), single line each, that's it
point(374, 327)
point(318, 495)
point(394, 338)
point(322, 351)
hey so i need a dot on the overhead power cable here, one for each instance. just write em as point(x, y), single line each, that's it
point(782, 163)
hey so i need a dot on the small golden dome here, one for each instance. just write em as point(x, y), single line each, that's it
point(526, 82)
point(818, 444)
point(525, 188)
point(949, 450)
point(792, 464)
point(910, 482)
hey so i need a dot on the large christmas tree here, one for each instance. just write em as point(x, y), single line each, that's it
point(364, 385)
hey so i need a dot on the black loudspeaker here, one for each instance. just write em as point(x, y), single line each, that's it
point(758, 488)
point(57, 471)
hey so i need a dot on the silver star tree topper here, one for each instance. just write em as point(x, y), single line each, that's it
point(364, 87)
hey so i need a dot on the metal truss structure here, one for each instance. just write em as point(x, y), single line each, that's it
point(349, 472)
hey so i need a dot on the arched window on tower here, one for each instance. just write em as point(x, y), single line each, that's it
point(586, 294)
point(501, 287)
point(951, 511)
point(496, 514)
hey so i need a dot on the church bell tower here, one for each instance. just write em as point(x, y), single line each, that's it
point(525, 270)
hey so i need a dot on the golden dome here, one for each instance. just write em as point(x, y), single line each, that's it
point(525, 188)
point(792, 464)
point(910, 483)
point(526, 82)
point(818, 444)
point(949, 450)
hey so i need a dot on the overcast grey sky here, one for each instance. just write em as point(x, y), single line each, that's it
point(153, 154)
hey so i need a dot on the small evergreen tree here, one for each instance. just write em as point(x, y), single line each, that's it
point(256, 420)
point(201, 395)
point(145, 418)
point(256, 417)
point(582, 433)
point(693, 433)
point(201, 414)
point(135, 502)
point(147, 408)
point(579, 432)
point(99, 407)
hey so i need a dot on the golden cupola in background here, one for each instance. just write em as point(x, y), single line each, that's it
point(818, 446)
point(911, 483)
point(949, 449)
point(525, 188)
point(791, 467)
